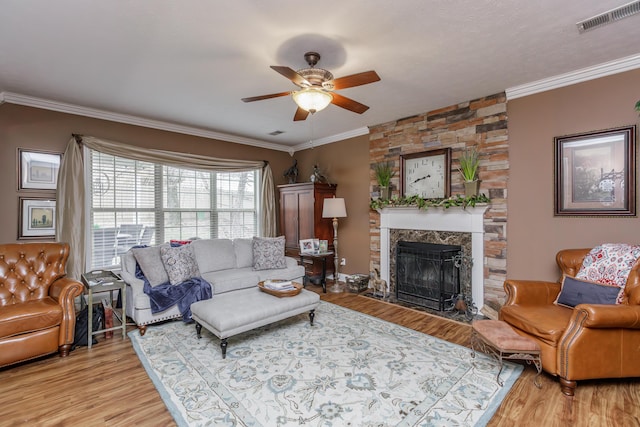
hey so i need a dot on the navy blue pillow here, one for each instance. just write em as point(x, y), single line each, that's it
point(575, 291)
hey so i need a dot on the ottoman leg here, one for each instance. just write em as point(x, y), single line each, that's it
point(198, 329)
point(223, 347)
point(312, 314)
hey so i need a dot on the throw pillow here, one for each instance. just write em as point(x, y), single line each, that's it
point(609, 264)
point(268, 253)
point(174, 243)
point(576, 291)
point(151, 264)
point(180, 263)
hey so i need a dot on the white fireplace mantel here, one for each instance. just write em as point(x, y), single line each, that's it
point(454, 219)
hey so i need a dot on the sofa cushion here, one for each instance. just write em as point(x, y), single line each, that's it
point(231, 280)
point(244, 252)
point(151, 264)
point(545, 322)
point(268, 253)
point(214, 254)
point(576, 291)
point(180, 263)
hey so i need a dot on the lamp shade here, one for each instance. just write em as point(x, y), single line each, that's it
point(312, 99)
point(334, 208)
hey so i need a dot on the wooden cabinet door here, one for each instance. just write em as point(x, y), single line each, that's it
point(289, 218)
point(306, 223)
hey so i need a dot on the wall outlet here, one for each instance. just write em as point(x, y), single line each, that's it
point(343, 261)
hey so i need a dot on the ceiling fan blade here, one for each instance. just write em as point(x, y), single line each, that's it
point(261, 97)
point(291, 75)
point(300, 115)
point(348, 104)
point(355, 80)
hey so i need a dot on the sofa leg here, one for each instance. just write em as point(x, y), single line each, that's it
point(198, 330)
point(568, 387)
point(312, 314)
point(223, 346)
point(142, 329)
point(63, 350)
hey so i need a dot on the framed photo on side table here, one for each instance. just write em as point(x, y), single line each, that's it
point(426, 174)
point(37, 218)
point(595, 173)
point(38, 170)
point(307, 246)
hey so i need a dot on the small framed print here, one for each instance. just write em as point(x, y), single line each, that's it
point(37, 218)
point(426, 174)
point(324, 246)
point(595, 173)
point(38, 170)
point(307, 246)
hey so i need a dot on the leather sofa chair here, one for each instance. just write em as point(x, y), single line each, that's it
point(587, 342)
point(37, 312)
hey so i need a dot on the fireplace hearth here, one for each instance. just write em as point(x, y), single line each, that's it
point(427, 274)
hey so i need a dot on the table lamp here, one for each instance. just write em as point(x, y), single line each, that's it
point(334, 208)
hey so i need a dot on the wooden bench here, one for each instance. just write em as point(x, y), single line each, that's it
point(496, 338)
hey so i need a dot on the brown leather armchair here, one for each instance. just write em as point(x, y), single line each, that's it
point(37, 312)
point(588, 342)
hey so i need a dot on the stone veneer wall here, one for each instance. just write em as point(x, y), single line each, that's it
point(481, 123)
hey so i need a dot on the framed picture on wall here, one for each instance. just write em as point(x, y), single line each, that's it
point(37, 218)
point(38, 170)
point(595, 173)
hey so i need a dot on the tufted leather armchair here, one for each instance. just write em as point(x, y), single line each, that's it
point(587, 342)
point(37, 312)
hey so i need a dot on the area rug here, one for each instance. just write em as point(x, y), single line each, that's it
point(348, 369)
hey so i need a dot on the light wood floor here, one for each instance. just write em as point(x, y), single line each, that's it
point(107, 385)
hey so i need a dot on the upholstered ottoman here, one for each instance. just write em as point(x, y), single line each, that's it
point(232, 313)
point(497, 339)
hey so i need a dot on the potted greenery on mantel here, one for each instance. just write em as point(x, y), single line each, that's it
point(384, 172)
point(469, 163)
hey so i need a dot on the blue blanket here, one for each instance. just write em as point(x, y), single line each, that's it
point(166, 295)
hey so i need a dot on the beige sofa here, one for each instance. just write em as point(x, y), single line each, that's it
point(228, 265)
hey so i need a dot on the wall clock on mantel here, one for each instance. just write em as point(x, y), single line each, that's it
point(426, 174)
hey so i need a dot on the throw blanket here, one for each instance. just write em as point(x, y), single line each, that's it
point(184, 294)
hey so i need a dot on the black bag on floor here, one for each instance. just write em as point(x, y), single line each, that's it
point(82, 325)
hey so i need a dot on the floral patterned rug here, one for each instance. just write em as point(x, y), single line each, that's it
point(348, 369)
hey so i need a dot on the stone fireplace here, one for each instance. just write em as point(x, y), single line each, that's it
point(453, 226)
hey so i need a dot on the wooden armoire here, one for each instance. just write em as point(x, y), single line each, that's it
point(301, 218)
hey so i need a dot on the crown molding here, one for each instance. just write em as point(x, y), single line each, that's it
point(46, 104)
point(573, 77)
point(331, 139)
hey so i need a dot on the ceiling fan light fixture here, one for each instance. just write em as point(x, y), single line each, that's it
point(312, 99)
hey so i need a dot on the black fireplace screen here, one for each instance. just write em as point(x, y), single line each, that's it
point(426, 273)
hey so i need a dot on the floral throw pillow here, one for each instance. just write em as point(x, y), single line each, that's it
point(268, 253)
point(610, 264)
point(180, 263)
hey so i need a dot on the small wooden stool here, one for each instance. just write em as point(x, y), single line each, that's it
point(497, 339)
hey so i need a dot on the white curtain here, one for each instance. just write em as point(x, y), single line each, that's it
point(71, 215)
point(70, 208)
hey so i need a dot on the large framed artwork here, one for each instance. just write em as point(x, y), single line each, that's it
point(38, 170)
point(37, 218)
point(426, 174)
point(595, 173)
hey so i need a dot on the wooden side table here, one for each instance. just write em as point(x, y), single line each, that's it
point(104, 281)
point(323, 277)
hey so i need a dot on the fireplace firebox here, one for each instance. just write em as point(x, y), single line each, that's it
point(427, 274)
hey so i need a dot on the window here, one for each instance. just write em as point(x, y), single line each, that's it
point(134, 202)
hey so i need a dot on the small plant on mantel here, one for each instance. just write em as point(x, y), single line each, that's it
point(384, 172)
point(469, 162)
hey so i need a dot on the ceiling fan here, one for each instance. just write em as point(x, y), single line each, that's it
point(317, 88)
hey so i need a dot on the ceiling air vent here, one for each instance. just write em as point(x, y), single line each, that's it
point(275, 132)
point(609, 17)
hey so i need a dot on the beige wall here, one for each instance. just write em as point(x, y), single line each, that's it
point(32, 128)
point(534, 234)
point(346, 163)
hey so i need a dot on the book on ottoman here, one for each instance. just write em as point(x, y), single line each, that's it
point(108, 317)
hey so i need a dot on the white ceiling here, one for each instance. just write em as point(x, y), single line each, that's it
point(185, 65)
